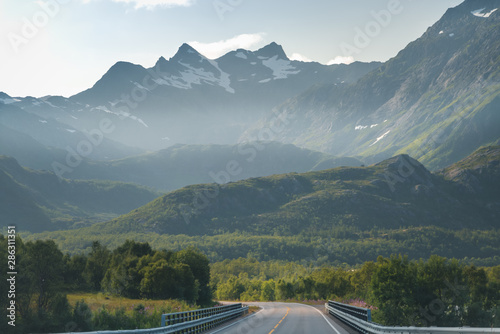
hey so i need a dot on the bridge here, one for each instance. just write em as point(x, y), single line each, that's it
point(286, 318)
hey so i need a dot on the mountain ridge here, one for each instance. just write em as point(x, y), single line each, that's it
point(398, 192)
point(440, 90)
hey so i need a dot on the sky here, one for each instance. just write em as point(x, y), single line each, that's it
point(62, 47)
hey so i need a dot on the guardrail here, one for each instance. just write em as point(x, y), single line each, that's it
point(358, 312)
point(180, 317)
point(372, 328)
point(202, 323)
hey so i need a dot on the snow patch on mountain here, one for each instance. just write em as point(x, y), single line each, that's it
point(380, 138)
point(241, 55)
point(9, 100)
point(224, 80)
point(121, 114)
point(479, 12)
point(281, 68)
point(197, 76)
point(135, 118)
point(138, 85)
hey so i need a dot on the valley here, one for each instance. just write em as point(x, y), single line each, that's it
point(240, 169)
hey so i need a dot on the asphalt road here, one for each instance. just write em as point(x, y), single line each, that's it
point(282, 318)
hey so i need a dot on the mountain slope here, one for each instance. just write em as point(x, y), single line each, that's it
point(188, 99)
point(437, 100)
point(478, 174)
point(38, 201)
point(398, 192)
point(191, 99)
point(182, 165)
point(37, 132)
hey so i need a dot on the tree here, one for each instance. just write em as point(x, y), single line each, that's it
point(44, 262)
point(200, 267)
point(39, 283)
point(74, 268)
point(284, 290)
point(393, 284)
point(97, 264)
point(162, 280)
point(231, 289)
point(267, 291)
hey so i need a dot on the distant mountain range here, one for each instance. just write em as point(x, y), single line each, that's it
point(181, 165)
point(188, 99)
point(437, 100)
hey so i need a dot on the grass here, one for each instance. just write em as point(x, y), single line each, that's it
point(253, 309)
point(96, 301)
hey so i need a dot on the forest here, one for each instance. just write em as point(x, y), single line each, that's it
point(134, 270)
point(433, 292)
point(400, 291)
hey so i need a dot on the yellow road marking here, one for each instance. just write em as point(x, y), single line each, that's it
point(286, 314)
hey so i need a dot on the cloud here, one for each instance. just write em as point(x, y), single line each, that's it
point(150, 4)
point(217, 49)
point(299, 57)
point(341, 60)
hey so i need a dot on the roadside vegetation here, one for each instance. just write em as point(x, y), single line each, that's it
point(132, 285)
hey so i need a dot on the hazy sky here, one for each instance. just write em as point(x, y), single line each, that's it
point(61, 47)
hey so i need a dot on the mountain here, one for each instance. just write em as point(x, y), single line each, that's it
point(191, 99)
point(396, 193)
point(37, 138)
point(38, 201)
point(336, 216)
point(188, 99)
point(26, 150)
point(181, 165)
point(478, 175)
point(437, 100)
point(238, 73)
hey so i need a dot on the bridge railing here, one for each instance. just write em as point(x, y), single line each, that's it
point(180, 317)
point(368, 327)
point(189, 322)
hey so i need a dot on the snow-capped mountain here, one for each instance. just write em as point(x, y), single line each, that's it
point(188, 98)
point(239, 72)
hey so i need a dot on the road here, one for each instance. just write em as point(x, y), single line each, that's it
point(282, 318)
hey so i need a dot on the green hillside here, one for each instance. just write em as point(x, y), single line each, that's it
point(346, 214)
point(39, 201)
point(398, 192)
